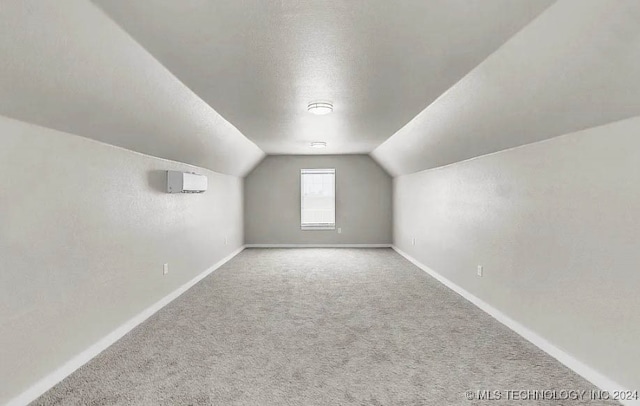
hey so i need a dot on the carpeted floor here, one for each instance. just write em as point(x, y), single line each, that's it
point(315, 327)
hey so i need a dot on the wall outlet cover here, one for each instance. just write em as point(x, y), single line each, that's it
point(165, 269)
point(480, 270)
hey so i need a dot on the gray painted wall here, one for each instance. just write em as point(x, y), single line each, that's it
point(84, 231)
point(363, 201)
point(555, 225)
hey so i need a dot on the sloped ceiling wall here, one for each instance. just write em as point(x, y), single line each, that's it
point(259, 62)
point(67, 66)
point(576, 66)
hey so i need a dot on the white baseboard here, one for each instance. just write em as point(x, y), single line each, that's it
point(587, 372)
point(318, 245)
point(85, 356)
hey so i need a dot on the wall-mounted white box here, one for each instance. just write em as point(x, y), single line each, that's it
point(184, 182)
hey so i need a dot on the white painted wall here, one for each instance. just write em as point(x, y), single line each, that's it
point(84, 231)
point(363, 201)
point(555, 225)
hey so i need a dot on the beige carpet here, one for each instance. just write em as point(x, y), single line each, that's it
point(316, 327)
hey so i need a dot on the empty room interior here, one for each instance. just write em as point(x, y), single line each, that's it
point(337, 202)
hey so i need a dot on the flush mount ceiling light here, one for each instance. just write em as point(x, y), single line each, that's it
point(320, 108)
point(318, 145)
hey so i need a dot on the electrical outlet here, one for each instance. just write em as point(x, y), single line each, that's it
point(226, 241)
point(339, 230)
point(413, 241)
point(480, 270)
point(165, 269)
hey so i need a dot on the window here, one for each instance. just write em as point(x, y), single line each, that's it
point(318, 199)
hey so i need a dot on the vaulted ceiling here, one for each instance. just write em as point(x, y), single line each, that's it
point(574, 67)
point(259, 63)
point(416, 83)
point(66, 66)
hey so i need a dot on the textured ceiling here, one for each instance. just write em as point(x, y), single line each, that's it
point(576, 66)
point(258, 63)
point(446, 80)
point(67, 66)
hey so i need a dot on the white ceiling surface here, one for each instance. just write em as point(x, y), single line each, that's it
point(259, 63)
point(67, 66)
point(576, 66)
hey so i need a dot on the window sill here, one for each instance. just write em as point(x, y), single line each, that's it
point(312, 228)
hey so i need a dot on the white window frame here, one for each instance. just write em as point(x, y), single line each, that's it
point(317, 226)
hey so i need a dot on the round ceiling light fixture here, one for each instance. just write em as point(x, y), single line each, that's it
point(318, 144)
point(320, 108)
